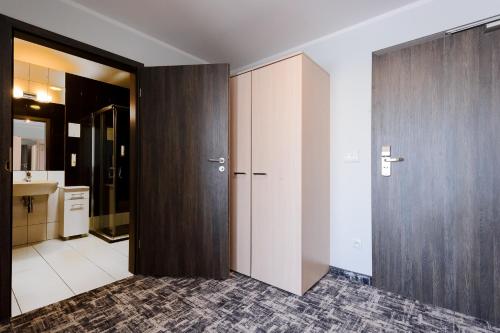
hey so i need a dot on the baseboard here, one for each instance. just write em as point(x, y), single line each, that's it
point(351, 276)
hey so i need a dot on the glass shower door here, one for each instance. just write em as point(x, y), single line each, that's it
point(110, 190)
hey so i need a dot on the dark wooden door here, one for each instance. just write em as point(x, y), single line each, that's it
point(6, 56)
point(436, 219)
point(184, 202)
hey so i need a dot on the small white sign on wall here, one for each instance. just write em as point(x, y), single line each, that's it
point(73, 130)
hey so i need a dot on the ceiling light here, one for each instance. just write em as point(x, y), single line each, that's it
point(17, 92)
point(35, 107)
point(55, 88)
point(43, 97)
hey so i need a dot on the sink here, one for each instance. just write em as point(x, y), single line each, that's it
point(35, 187)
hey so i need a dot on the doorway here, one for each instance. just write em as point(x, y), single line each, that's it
point(179, 162)
point(45, 155)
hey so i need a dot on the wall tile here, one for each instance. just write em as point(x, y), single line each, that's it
point(19, 236)
point(39, 213)
point(37, 233)
point(37, 175)
point(21, 70)
point(39, 74)
point(52, 230)
point(52, 211)
point(19, 213)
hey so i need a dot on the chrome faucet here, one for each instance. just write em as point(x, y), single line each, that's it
point(28, 176)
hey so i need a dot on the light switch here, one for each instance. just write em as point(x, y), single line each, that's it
point(352, 157)
point(73, 160)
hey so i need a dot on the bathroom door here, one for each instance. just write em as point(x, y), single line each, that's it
point(184, 199)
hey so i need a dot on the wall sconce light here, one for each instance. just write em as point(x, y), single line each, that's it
point(43, 97)
point(17, 92)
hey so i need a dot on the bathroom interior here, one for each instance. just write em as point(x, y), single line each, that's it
point(70, 156)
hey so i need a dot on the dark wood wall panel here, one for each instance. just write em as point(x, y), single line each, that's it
point(184, 210)
point(6, 60)
point(83, 97)
point(436, 220)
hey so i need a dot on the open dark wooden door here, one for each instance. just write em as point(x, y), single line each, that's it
point(436, 219)
point(184, 201)
point(6, 55)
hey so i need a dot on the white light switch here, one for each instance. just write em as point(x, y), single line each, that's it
point(352, 157)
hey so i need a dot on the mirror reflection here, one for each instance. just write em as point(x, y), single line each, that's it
point(29, 144)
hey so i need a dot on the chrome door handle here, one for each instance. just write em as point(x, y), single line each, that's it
point(393, 159)
point(220, 160)
point(386, 159)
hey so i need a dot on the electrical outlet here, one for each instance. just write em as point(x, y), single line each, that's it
point(356, 243)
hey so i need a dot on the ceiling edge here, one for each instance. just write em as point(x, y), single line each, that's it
point(302, 47)
point(132, 30)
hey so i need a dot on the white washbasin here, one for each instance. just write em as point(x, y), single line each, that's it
point(35, 187)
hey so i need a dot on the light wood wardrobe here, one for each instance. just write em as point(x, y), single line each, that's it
point(280, 174)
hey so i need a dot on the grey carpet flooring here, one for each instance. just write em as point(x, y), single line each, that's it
point(240, 304)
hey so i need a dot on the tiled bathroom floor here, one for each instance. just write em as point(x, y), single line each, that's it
point(54, 270)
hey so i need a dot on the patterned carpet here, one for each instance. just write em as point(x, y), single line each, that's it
point(240, 304)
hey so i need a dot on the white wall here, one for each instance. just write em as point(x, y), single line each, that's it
point(347, 55)
point(72, 20)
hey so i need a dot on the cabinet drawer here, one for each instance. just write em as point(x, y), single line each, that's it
point(75, 205)
point(76, 218)
point(76, 195)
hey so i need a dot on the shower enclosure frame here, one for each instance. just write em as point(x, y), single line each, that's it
point(112, 216)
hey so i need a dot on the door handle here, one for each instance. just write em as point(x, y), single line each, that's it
point(240, 173)
point(393, 159)
point(386, 159)
point(8, 164)
point(260, 174)
point(220, 160)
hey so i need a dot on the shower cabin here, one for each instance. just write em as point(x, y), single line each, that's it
point(110, 173)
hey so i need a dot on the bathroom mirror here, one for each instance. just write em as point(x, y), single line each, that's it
point(40, 125)
point(29, 144)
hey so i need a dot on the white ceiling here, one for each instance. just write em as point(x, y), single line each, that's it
point(239, 31)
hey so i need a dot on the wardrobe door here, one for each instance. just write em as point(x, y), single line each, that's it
point(241, 150)
point(276, 174)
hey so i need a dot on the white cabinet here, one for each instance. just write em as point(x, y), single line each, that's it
point(73, 210)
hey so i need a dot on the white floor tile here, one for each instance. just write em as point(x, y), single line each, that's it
point(14, 307)
point(34, 283)
point(103, 255)
point(78, 272)
point(54, 270)
point(121, 247)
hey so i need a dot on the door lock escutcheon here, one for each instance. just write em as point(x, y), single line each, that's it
point(387, 160)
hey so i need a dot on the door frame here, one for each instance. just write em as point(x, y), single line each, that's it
point(10, 28)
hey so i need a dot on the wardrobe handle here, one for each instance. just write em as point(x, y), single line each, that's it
point(240, 173)
point(260, 174)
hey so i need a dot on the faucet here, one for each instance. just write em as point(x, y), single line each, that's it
point(28, 176)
